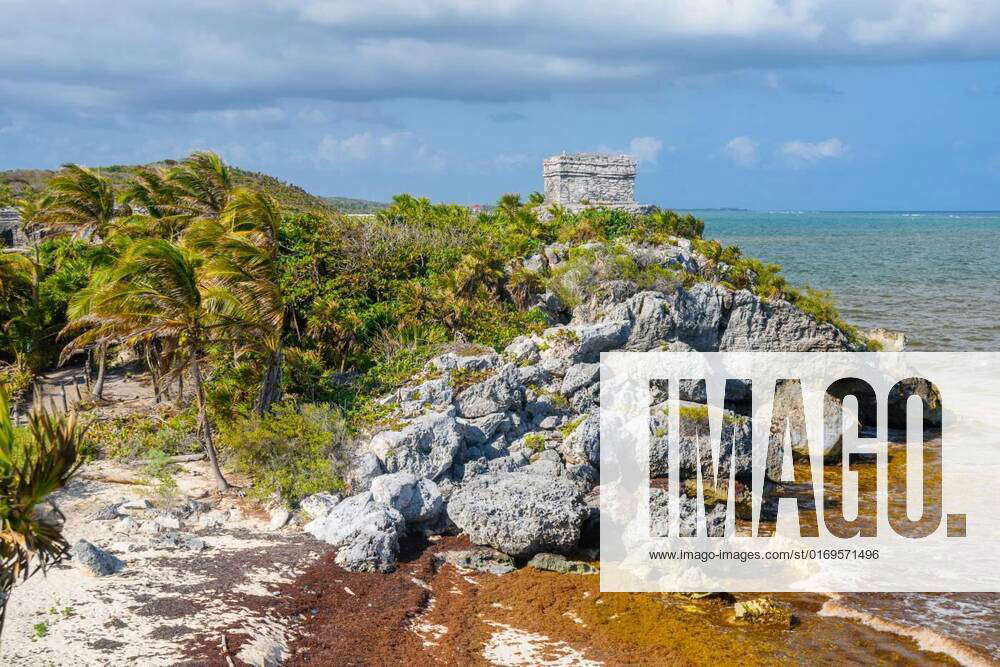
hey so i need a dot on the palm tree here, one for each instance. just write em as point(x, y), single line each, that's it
point(242, 246)
point(158, 290)
point(20, 328)
point(201, 184)
point(152, 195)
point(29, 473)
point(82, 202)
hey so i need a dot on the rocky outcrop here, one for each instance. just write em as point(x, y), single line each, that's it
point(736, 442)
point(426, 447)
point(478, 559)
point(318, 505)
point(418, 500)
point(505, 446)
point(519, 514)
point(660, 517)
point(366, 532)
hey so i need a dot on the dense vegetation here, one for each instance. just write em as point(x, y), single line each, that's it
point(29, 182)
point(288, 320)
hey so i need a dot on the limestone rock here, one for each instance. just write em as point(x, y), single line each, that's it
point(559, 563)
point(366, 532)
point(319, 505)
point(136, 504)
point(416, 499)
point(496, 394)
point(659, 516)
point(762, 611)
point(479, 559)
point(94, 561)
point(365, 468)
point(583, 444)
point(579, 376)
point(736, 442)
point(523, 350)
point(107, 513)
point(279, 516)
point(435, 393)
point(585, 342)
point(519, 514)
point(425, 448)
point(175, 540)
point(480, 430)
point(466, 362)
point(776, 326)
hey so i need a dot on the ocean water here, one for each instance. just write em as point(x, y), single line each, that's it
point(934, 276)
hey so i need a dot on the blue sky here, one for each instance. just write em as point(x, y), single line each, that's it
point(764, 104)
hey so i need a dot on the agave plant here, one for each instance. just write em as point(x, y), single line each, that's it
point(31, 541)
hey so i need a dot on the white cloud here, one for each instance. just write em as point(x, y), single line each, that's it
point(645, 149)
point(742, 150)
point(402, 150)
point(222, 56)
point(362, 147)
point(803, 151)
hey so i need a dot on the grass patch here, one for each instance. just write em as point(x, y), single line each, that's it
point(463, 378)
point(535, 442)
point(570, 426)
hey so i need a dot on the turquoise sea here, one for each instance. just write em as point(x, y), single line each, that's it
point(933, 275)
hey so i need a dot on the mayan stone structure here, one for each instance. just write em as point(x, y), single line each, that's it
point(590, 180)
point(10, 228)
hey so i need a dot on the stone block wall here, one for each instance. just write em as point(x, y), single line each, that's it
point(589, 178)
point(10, 228)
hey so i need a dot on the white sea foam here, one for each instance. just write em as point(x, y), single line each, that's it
point(925, 638)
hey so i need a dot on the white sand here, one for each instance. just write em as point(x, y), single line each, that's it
point(162, 600)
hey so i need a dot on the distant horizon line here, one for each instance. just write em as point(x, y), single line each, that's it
point(725, 209)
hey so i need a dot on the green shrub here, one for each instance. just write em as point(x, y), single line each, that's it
point(535, 442)
point(294, 451)
point(159, 467)
point(818, 304)
point(587, 269)
point(135, 436)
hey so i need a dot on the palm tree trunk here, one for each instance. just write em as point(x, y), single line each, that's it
point(153, 366)
point(102, 363)
point(270, 388)
point(203, 426)
point(180, 389)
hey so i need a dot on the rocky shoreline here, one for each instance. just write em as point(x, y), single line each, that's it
point(505, 447)
point(469, 530)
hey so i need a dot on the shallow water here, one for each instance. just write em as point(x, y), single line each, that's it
point(934, 276)
point(964, 626)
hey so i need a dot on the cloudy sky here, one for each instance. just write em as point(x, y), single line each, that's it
point(765, 104)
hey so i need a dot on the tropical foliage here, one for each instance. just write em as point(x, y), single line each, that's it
point(275, 310)
point(32, 465)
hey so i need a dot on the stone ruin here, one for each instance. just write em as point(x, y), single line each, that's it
point(10, 228)
point(578, 181)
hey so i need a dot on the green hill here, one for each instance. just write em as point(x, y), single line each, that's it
point(349, 205)
point(292, 197)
